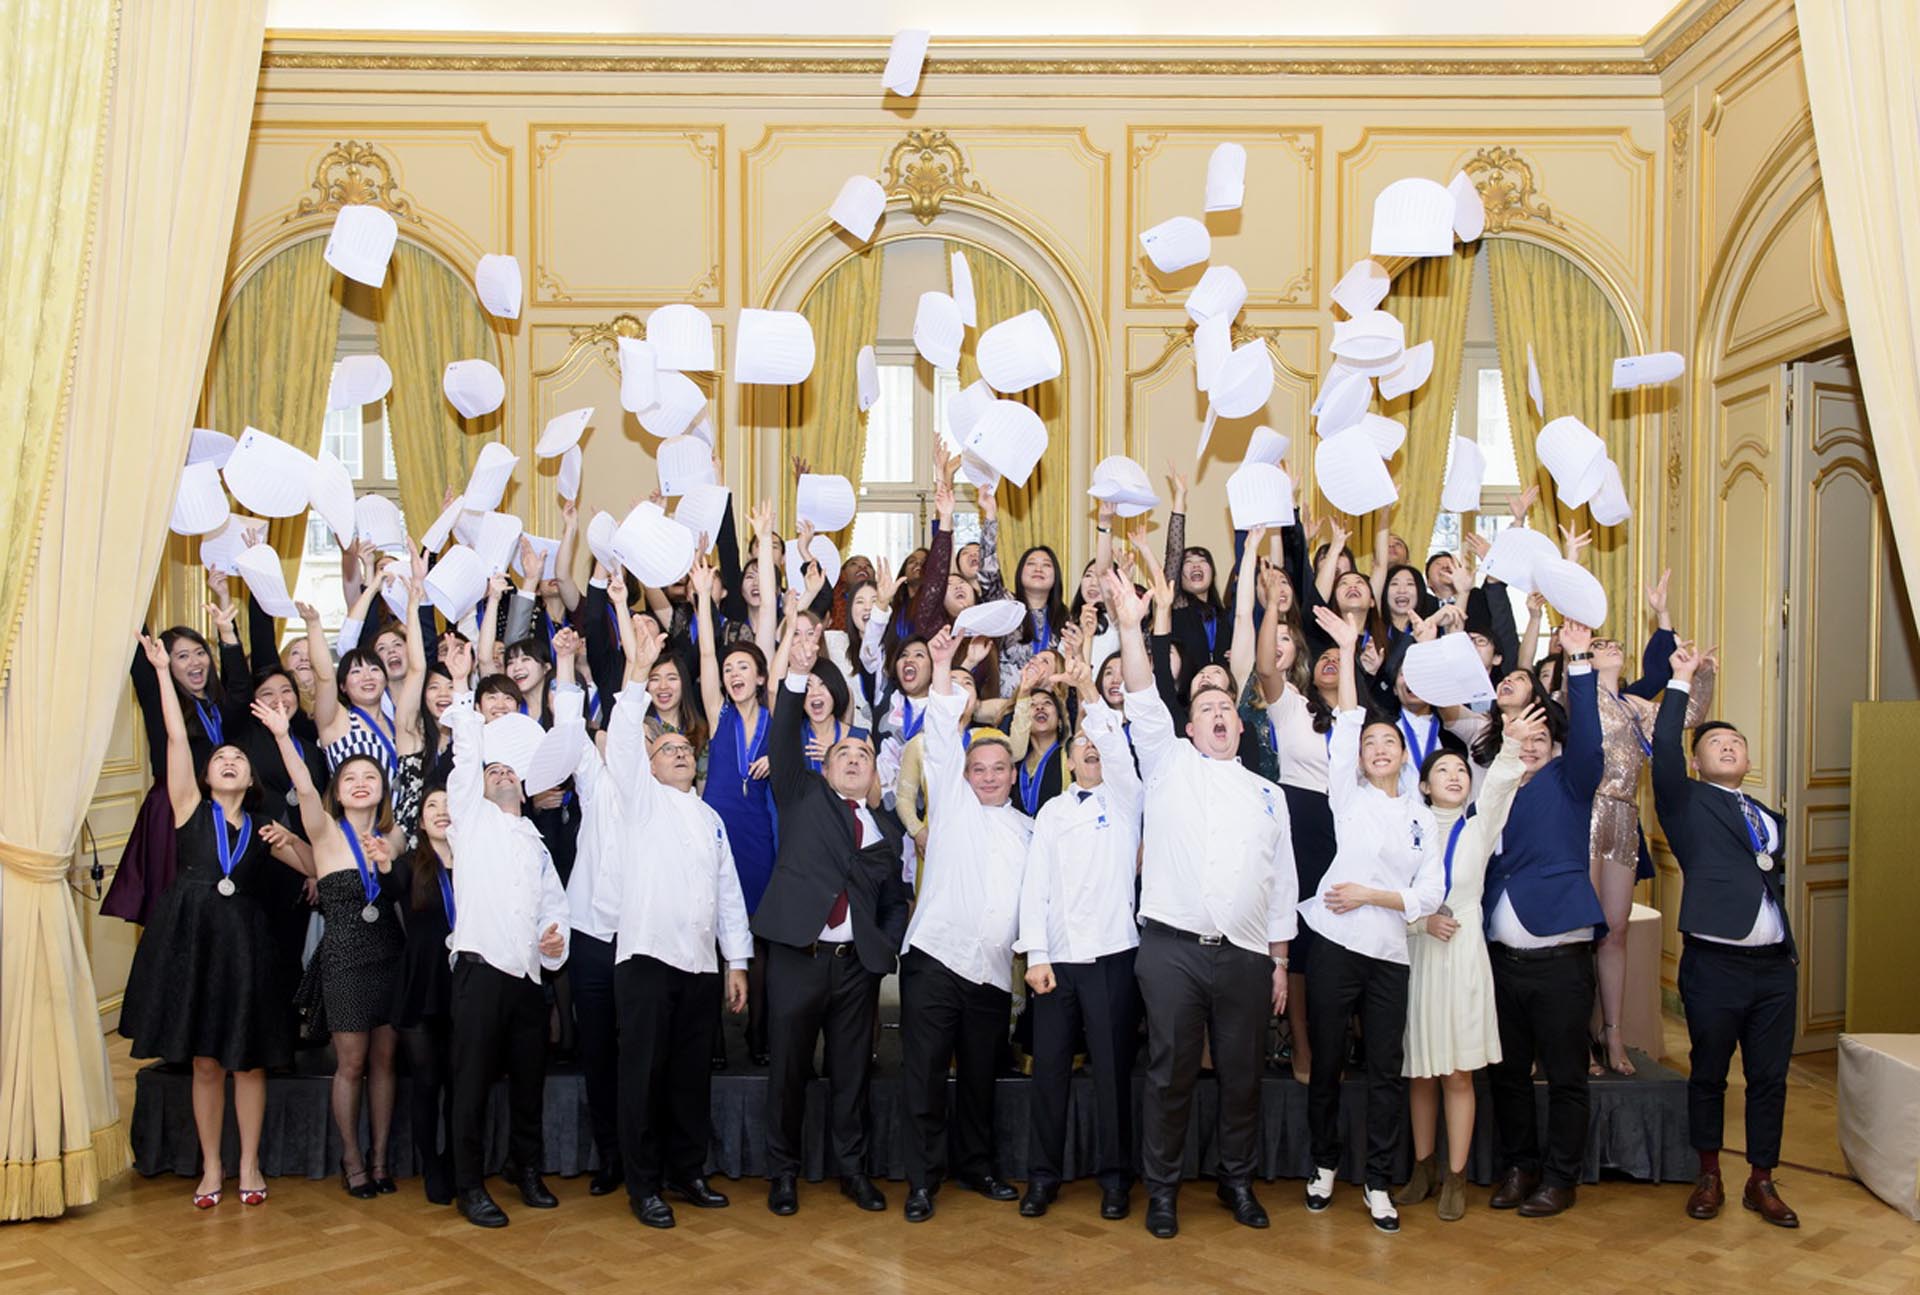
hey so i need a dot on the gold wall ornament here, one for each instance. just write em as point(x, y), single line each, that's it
point(603, 337)
point(1678, 133)
point(927, 168)
point(1507, 189)
point(353, 173)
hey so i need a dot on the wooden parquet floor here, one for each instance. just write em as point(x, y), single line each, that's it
point(311, 1238)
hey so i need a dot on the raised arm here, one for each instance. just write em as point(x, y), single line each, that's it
point(327, 719)
point(930, 600)
point(787, 741)
point(568, 563)
point(1241, 650)
point(314, 819)
point(1266, 650)
point(1583, 754)
point(467, 782)
point(1328, 570)
point(1382, 547)
point(183, 785)
point(1176, 524)
point(766, 616)
point(1671, 786)
point(490, 622)
point(712, 695)
point(991, 584)
point(406, 702)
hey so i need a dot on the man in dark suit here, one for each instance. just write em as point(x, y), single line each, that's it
point(833, 917)
point(1542, 919)
point(1737, 970)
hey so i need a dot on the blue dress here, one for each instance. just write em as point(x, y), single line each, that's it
point(744, 804)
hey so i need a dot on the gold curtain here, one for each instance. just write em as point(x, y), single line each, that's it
point(1542, 298)
point(1430, 297)
point(273, 361)
point(823, 420)
point(1036, 513)
point(183, 83)
point(428, 318)
point(53, 89)
point(1858, 56)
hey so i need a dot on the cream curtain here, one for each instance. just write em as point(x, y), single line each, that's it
point(53, 104)
point(1542, 298)
point(1859, 56)
point(824, 424)
point(428, 318)
point(1430, 297)
point(273, 360)
point(1037, 512)
point(176, 139)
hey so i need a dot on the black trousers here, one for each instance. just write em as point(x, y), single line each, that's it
point(499, 1023)
point(1101, 998)
point(1345, 982)
point(1543, 1004)
point(810, 991)
point(1193, 992)
point(597, 1034)
point(756, 1030)
point(1745, 997)
point(667, 1019)
point(429, 1048)
point(944, 1016)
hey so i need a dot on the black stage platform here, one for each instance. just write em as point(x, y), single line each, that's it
point(1639, 1126)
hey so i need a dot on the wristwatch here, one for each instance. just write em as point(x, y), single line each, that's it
point(1578, 656)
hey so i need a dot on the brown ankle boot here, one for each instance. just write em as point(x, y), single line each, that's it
point(1453, 1198)
point(1421, 1185)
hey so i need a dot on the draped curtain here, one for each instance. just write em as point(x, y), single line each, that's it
point(1858, 56)
point(428, 317)
point(53, 103)
point(823, 421)
point(1430, 297)
point(1036, 513)
point(182, 90)
point(272, 363)
point(1542, 298)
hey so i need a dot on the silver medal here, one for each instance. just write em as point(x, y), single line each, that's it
point(1765, 861)
point(370, 914)
point(226, 886)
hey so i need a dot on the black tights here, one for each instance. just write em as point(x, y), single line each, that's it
point(428, 1046)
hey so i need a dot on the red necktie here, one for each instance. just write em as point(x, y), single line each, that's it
point(838, 913)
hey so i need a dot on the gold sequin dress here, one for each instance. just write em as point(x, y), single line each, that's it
point(1626, 732)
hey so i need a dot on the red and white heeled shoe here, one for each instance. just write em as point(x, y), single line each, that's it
point(206, 1200)
point(249, 1196)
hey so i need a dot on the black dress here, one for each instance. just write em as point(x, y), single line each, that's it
point(424, 991)
point(205, 980)
point(358, 961)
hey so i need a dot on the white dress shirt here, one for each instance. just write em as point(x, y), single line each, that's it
point(675, 888)
point(1301, 751)
point(1768, 928)
point(1076, 902)
point(968, 913)
point(1219, 850)
point(1505, 927)
point(603, 827)
point(504, 884)
point(1385, 842)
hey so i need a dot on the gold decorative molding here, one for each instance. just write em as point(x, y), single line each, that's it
point(1507, 189)
point(926, 168)
point(604, 337)
point(353, 173)
point(1678, 133)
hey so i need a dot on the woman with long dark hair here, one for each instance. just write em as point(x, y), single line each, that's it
point(203, 989)
point(424, 989)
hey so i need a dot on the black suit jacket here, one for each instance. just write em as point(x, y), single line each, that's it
point(1708, 834)
point(818, 859)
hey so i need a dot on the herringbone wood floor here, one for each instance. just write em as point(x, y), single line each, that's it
point(310, 1237)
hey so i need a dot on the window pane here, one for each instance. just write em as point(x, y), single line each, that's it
point(884, 536)
point(946, 385)
point(889, 455)
point(319, 579)
point(341, 438)
point(1494, 433)
point(388, 472)
point(1445, 538)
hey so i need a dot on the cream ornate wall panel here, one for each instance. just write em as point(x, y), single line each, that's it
point(1273, 239)
point(1747, 112)
point(1164, 416)
point(578, 364)
point(1052, 181)
point(1786, 304)
point(1823, 950)
point(1841, 572)
point(1585, 190)
point(449, 183)
point(1744, 576)
point(789, 178)
point(1897, 657)
point(628, 215)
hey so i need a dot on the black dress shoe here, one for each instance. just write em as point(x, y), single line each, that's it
point(859, 1189)
point(534, 1191)
point(652, 1210)
point(608, 1178)
point(695, 1192)
point(1115, 1202)
point(1239, 1198)
point(439, 1189)
point(1163, 1219)
point(782, 1199)
point(1547, 1202)
point(478, 1208)
point(919, 1205)
point(1514, 1189)
point(1039, 1196)
point(990, 1187)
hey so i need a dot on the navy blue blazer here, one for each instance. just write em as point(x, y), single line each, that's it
point(1542, 867)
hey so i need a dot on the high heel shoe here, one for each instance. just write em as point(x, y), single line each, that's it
point(366, 1191)
point(382, 1180)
